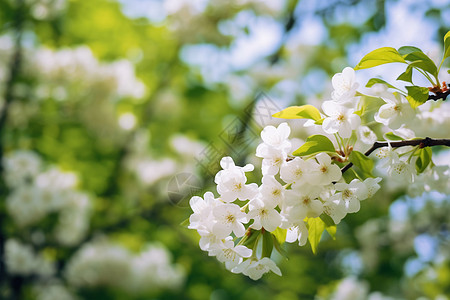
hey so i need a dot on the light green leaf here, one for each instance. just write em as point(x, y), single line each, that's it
point(331, 228)
point(299, 112)
point(373, 81)
point(364, 163)
point(417, 95)
point(446, 45)
point(280, 234)
point(390, 136)
point(315, 144)
point(424, 159)
point(378, 57)
point(315, 229)
point(407, 75)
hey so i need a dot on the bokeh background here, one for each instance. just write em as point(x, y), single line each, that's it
point(114, 113)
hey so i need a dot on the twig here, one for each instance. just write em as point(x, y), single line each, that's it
point(422, 143)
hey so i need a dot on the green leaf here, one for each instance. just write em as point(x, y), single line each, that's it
point(349, 175)
point(267, 244)
point(392, 137)
point(364, 163)
point(331, 228)
point(405, 50)
point(315, 144)
point(407, 75)
point(373, 81)
point(378, 57)
point(417, 95)
point(422, 61)
point(278, 247)
point(446, 45)
point(299, 112)
point(280, 234)
point(185, 223)
point(424, 159)
point(315, 229)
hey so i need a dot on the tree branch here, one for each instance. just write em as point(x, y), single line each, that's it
point(422, 143)
point(439, 95)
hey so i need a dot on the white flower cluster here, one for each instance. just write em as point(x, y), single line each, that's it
point(309, 190)
point(80, 70)
point(101, 263)
point(35, 193)
point(21, 259)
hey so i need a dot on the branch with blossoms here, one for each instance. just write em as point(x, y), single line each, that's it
point(422, 143)
point(309, 190)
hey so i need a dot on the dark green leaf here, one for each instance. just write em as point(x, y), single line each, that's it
point(422, 61)
point(267, 244)
point(315, 144)
point(405, 50)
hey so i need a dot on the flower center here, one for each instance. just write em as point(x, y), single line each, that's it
point(238, 186)
point(323, 169)
point(306, 200)
point(341, 118)
point(230, 218)
point(347, 193)
point(276, 192)
point(397, 108)
point(229, 254)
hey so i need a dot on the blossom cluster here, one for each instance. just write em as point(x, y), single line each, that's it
point(298, 191)
point(292, 192)
point(102, 263)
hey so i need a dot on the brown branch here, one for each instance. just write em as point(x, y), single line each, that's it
point(439, 95)
point(422, 143)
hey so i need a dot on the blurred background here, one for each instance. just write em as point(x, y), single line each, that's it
point(114, 113)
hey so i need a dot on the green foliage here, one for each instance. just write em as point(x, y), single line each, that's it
point(423, 159)
point(446, 45)
point(373, 81)
point(316, 226)
point(390, 136)
point(364, 163)
point(315, 144)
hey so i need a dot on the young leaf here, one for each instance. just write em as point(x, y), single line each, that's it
point(330, 226)
point(378, 57)
point(299, 112)
point(407, 75)
point(392, 137)
point(280, 235)
point(315, 229)
point(424, 159)
point(373, 81)
point(315, 144)
point(363, 162)
point(446, 45)
point(417, 95)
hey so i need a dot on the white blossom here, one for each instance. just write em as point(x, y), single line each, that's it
point(340, 119)
point(228, 218)
point(271, 190)
point(344, 85)
point(231, 182)
point(255, 269)
point(295, 171)
point(396, 112)
point(264, 215)
point(323, 172)
point(226, 252)
point(366, 135)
